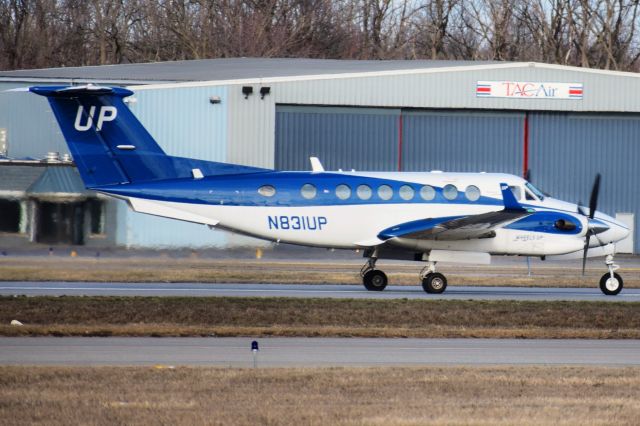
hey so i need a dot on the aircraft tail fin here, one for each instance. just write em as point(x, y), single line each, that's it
point(110, 146)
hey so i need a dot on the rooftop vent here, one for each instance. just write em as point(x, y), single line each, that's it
point(52, 157)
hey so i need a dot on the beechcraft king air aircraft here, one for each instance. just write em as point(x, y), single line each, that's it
point(428, 217)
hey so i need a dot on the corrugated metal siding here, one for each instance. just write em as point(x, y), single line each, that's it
point(251, 127)
point(567, 150)
point(458, 141)
point(32, 129)
point(251, 122)
point(18, 178)
point(186, 124)
point(343, 138)
point(457, 89)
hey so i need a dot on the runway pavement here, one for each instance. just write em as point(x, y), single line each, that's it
point(290, 352)
point(321, 291)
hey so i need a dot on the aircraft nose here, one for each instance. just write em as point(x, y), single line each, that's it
point(622, 231)
point(616, 231)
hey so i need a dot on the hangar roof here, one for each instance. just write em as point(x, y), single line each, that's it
point(225, 69)
point(18, 178)
point(58, 180)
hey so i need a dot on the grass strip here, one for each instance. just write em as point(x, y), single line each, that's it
point(389, 396)
point(229, 316)
point(298, 272)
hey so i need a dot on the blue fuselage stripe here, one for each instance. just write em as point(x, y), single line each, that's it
point(242, 190)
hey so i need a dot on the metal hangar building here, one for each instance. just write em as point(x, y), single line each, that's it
point(564, 124)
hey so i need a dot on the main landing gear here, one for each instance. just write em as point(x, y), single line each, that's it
point(432, 281)
point(372, 278)
point(376, 280)
point(611, 283)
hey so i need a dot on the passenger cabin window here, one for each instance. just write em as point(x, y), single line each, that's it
point(364, 192)
point(406, 192)
point(267, 191)
point(472, 193)
point(427, 193)
point(308, 191)
point(516, 191)
point(385, 192)
point(343, 191)
point(450, 192)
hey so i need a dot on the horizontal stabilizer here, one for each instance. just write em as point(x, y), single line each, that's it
point(75, 91)
point(161, 209)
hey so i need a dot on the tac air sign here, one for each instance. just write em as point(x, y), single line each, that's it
point(528, 90)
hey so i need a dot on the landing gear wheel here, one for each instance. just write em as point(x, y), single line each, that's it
point(374, 280)
point(611, 286)
point(434, 283)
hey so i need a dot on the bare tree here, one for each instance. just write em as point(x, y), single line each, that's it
point(432, 28)
point(587, 33)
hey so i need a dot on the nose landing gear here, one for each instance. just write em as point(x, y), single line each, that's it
point(611, 283)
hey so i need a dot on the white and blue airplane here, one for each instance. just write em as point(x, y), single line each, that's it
point(428, 217)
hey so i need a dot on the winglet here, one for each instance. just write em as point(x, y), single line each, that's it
point(510, 202)
point(316, 165)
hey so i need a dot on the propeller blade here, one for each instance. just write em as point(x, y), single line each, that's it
point(593, 205)
point(527, 175)
point(593, 201)
point(584, 253)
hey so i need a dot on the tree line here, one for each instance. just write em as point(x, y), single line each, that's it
point(54, 33)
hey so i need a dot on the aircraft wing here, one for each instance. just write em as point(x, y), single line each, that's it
point(460, 227)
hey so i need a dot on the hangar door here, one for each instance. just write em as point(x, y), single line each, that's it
point(343, 138)
point(462, 141)
point(380, 139)
point(566, 150)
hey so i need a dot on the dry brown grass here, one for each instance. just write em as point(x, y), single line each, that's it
point(201, 316)
point(384, 396)
point(264, 271)
point(436, 331)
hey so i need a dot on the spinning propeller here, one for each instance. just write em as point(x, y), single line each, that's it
point(593, 228)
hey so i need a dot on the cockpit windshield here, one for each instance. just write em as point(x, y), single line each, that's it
point(534, 190)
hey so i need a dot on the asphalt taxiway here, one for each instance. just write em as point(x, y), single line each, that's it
point(313, 352)
point(308, 290)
